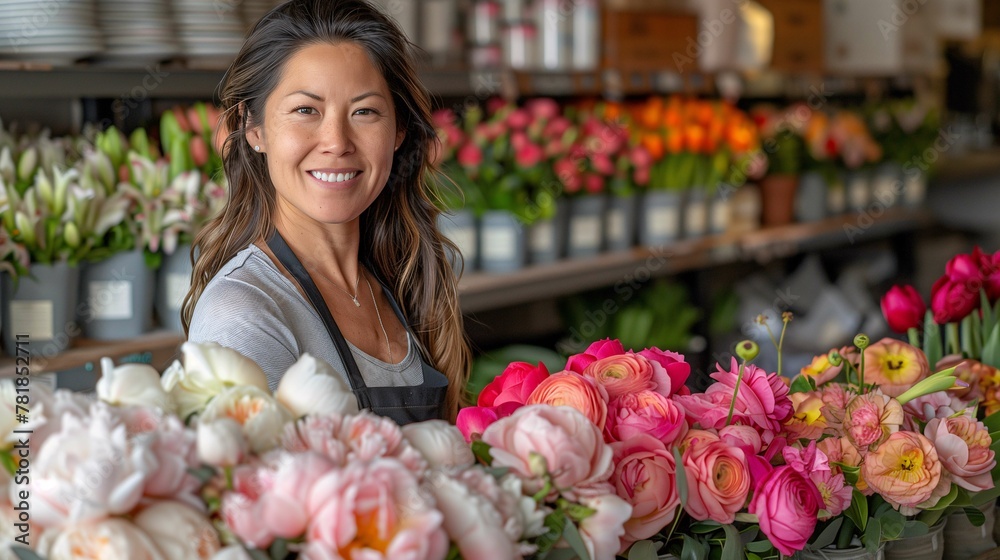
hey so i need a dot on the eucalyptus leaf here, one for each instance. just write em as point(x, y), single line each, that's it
point(893, 524)
point(858, 510)
point(643, 550)
point(732, 546)
point(976, 517)
point(752, 556)
point(825, 538)
point(680, 478)
point(257, 554)
point(693, 549)
point(572, 536)
point(872, 536)
point(704, 527)
point(914, 529)
point(759, 546)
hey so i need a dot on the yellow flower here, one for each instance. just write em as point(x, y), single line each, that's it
point(904, 470)
point(807, 421)
point(870, 419)
point(894, 366)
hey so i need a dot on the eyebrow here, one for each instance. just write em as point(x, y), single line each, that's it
point(353, 99)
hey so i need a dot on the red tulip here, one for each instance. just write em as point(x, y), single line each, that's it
point(964, 269)
point(952, 301)
point(989, 267)
point(903, 308)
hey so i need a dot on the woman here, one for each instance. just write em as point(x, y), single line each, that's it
point(329, 223)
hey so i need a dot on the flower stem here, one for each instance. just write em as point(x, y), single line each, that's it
point(913, 333)
point(781, 342)
point(952, 330)
point(736, 391)
point(677, 517)
point(861, 373)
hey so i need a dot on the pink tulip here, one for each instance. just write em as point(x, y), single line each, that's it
point(903, 308)
point(472, 421)
point(515, 384)
point(470, 155)
point(645, 477)
point(952, 301)
point(529, 155)
point(989, 267)
point(963, 269)
point(787, 505)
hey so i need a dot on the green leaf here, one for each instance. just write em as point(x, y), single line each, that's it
point(752, 556)
point(257, 554)
point(680, 478)
point(858, 510)
point(759, 546)
point(976, 517)
point(967, 344)
point(872, 536)
point(989, 319)
point(576, 512)
point(25, 553)
point(554, 522)
point(693, 549)
point(279, 549)
point(704, 527)
point(481, 450)
point(893, 524)
point(8, 462)
point(732, 546)
point(560, 554)
point(572, 536)
point(643, 550)
point(851, 473)
point(932, 339)
point(802, 384)
point(991, 349)
point(992, 423)
point(914, 528)
point(947, 500)
point(826, 536)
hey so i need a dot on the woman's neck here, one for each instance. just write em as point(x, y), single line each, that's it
point(330, 249)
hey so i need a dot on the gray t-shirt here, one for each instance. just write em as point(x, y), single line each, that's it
point(251, 307)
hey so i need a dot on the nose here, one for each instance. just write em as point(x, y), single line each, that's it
point(335, 135)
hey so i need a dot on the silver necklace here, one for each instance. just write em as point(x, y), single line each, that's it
point(379, 315)
point(354, 298)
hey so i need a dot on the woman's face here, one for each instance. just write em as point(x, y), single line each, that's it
point(328, 132)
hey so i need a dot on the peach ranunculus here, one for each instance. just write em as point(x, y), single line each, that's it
point(597, 350)
point(821, 370)
point(559, 441)
point(373, 510)
point(869, 419)
point(761, 401)
point(969, 371)
point(894, 366)
point(574, 390)
point(807, 422)
point(963, 444)
point(717, 476)
point(645, 412)
point(628, 373)
point(645, 477)
point(905, 470)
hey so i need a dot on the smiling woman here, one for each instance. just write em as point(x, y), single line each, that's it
point(329, 222)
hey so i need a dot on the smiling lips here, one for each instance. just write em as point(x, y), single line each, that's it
point(334, 177)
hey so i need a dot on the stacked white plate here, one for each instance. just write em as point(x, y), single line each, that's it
point(253, 10)
point(211, 33)
point(137, 31)
point(52, 32)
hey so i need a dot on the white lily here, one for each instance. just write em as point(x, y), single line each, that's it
point(8, 171)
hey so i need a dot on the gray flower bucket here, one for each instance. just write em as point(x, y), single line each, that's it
point(695, 214)
point(859, 191)
point(887, 184)
point(914, 187)
point(173, 280)
point(811, 198)
point(503, 242)
point(720, 209)
point(41, 310)
point(116, 297)
point(586, 226)
point(660, 218)
point(619, 222)
point(461, 228)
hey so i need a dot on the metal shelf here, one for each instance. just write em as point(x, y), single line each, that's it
point(159, 344)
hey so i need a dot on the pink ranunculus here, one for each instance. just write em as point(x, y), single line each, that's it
point(472, 421)
point(677, 369)
point(717, 476)
point(529, 155)
point(645, 412)
point(602, 532)
point(963, 444)
point(628, 373)
point(787, 505)
point(596, 351)
point(556, 128)
point(519, 140)
point(742, 437)
point(761, 401)
point(568, 388)
point(645, 477)
point(542, 108)
point(470, 155)
point(373, 510)
point(558, 439)
point(835, 397)
point(603, 164)
point(903, 308)
point(515, 384)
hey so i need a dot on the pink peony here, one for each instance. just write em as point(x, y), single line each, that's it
point(558, 440)
point(963, 444)
point(717, 477)
point(787, 505)
point(567, 388)
point(762, 401)
point(596, 351)
point(515, 384)
point(645, 477)
point(373, 510)
point(677, 369)
point(870, 418)
point(628, 373)
point(645, 412)
point(175, 450)
point(346, 439)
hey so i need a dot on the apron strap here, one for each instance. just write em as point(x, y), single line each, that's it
point(291, 262)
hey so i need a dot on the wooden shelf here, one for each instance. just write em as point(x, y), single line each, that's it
point(484, 291)
point(83, 351)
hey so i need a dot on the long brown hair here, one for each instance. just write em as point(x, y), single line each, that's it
point(400, 242)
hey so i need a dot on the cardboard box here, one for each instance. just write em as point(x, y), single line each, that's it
point(879, 38)
point(643, 40)
point(798, 35)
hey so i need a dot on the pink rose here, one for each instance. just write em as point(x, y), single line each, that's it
point(761, 401)
point(645, 477)
point(567, 388)
point(645, 412)
point(628, 373)
point(596, 351)
point(472, 421)
point(677, 369)
point(717, 477)
point(559, 440)
point(373, 509)
point(787, 505)
point(963, 444)
point(515, 384)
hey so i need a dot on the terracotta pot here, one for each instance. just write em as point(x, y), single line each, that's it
point(778, 194)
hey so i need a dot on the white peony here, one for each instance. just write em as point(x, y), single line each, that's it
point(312, 386)
point(602, 531)
point(179, 531)
point(132, 385)
point(232, 552)
point(221, 442)
point(208, 370)
point(262, 417)
point(108, 539)
point(471, 519)
point(441, 443)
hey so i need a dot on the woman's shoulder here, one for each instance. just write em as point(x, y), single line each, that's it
point(250, 271)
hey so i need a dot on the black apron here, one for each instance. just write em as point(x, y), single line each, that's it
point(402, 404)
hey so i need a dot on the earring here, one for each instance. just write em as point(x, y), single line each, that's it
point(256, 148)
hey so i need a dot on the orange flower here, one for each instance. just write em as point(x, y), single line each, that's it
point(651, 113)
point(675, 141)
point(653, 144)
point(894, 366)
point(568, 388)
point(694, 138)
point(904, 470)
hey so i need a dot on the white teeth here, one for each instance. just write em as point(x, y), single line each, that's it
point(334, 177)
